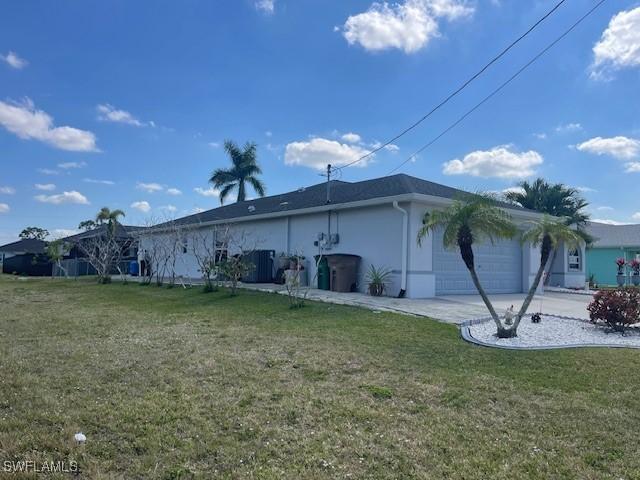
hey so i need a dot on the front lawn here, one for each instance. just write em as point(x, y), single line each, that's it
point(173, 383)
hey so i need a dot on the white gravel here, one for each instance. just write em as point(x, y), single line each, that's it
point(555, 332)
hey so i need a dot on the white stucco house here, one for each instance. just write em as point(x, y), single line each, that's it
point(378, 220)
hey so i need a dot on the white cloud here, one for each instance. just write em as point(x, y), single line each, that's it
point(169, 208)
point(632, 167)
point(142, 206)
point(4, 208)
point(266, 6)
point(14, 61)
point(568, 128)
point(63, 232)
point(23, 120)
point(214, 144)
point(407, 26)
point(607, 221)
point(68, 165)
point(636, 216)
point(7, 190)
point(48, 171)
point(540, 136)
point(500, 162)
point(108, 113)
point(269, 133)
point(586, 189)
point(208, 192)
point(619, 147)
point(198, 210)
point(351, 138)
point(318, 152)
point(101, 182)
point(47, 187)
point(149, 187)
point(619, 46)
point(605, 209)
point(512, 190)
point(174, 191)
point(64, 197)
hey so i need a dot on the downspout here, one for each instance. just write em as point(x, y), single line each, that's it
point(405, 256)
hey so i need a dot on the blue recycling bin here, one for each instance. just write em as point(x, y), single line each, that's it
point(133, 269)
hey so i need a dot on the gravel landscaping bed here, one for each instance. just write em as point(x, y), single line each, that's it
point(552, 332)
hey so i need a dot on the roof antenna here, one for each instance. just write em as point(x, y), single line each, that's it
point(329, 183)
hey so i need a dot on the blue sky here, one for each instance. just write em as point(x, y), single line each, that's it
point(126, 104)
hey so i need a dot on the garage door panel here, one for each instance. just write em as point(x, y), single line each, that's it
point(499, 268)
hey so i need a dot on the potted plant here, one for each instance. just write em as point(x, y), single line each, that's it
point(620, 262)
point(377, 279)
point(635, 266)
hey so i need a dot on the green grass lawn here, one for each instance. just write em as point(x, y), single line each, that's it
point(173, 383)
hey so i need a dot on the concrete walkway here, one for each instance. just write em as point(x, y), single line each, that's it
point(450, 309)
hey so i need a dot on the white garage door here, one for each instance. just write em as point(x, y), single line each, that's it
point(499, 268)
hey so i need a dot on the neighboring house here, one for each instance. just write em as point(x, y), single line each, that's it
point(76, 263)
point(378, 220)
point(25, 257)
point(610, 243)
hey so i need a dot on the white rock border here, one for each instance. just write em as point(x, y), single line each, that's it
point(465, 332)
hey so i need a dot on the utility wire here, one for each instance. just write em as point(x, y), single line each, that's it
point(503, 85)
point(458, 90)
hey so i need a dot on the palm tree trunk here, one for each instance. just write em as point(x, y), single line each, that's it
point(241, 191)
point(545, 252)
point(485, 299)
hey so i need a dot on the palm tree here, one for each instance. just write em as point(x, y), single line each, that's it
point(466, 221)
point(548, 233)
point(244, 169)
point(110, 217)
point(557, 200)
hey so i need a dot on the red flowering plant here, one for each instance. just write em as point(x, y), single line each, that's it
point(615, 309)
point(635, 266)
point(620, 262)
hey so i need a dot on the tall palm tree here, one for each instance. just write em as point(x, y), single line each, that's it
point(466, 221)
point(110, 217)
point(244, 169)
point(548, 233)
point(557, 200)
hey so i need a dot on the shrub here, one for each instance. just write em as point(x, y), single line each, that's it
point(617, 309)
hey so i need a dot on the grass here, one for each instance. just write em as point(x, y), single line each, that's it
point(170, 384)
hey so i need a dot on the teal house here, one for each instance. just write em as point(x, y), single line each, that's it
point(611, 242)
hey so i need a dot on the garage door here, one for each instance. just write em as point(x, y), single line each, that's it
point(499, 268)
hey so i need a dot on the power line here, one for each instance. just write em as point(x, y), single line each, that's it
point(458, 90)
point(497, 90)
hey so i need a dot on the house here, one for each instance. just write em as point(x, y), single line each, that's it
point(76, 263)
point(610, 243)
point(377, 220)
point(25, 257)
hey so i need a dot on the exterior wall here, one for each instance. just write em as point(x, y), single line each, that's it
point(374, 233)
point(560, 273)
point(601, 263)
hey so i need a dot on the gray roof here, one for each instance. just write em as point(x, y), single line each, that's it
point(316, 196)
point(122, 231)
point(614, 235)
point(27, 245)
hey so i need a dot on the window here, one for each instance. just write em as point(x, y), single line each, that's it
point(574, 260)
point(185, 246)
point(222, 251)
